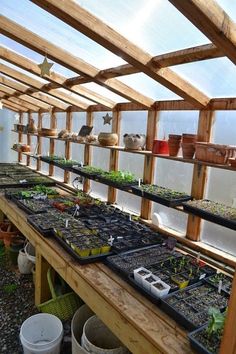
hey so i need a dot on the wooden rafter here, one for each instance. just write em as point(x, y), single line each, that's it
point(57, 80)
point(32, 83)
point(35, 42)
point(77, 17)
point(9, 107)
point(14, 105)
point(213, 21)
point(13, 93)
point(28, 106)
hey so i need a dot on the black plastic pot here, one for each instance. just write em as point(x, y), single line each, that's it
point(195, 344)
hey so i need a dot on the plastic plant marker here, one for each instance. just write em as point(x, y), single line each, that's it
point(67, 223)
point(220, 286)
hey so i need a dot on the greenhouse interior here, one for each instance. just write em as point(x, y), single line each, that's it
point(118, 176)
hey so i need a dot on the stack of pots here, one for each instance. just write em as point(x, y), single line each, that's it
point(174, 144)
point(188, 145)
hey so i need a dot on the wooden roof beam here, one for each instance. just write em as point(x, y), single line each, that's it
point(56, 79)
point(5, 105)
point(21, 103)
point(77, 17)
point(40, 45)
point(33, 83)
point(213, 21)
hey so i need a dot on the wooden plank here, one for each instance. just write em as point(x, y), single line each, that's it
point(20, 136)
point(29, 138)
point(141, 330)
point(42, 291)
point(80, 19)
point(59, 98)
point(40, 45)
point(39, 140)
point(149, 162)
point(28, 106)
point(53, 125)
point(182, 56)
point(88, 152)
point(16, 106)
point(205, 125)
point(9, 107)
point(228, 342)
point(114, 154)
point(55, 78)
point(68, 144)
point(213, 21)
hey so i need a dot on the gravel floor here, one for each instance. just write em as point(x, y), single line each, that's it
point(16, 305)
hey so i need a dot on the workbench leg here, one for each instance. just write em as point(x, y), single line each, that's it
point(42, 292)
point(1, 216)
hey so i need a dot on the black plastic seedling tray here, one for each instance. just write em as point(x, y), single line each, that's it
point(43, 232)
point(158, 199)
point(178, 316)
point(231, 224)
point(29, 210)
point(121, 186)
point(79, 171)
point(195, 344)
point(81, 260)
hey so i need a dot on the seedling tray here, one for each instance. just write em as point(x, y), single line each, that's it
point(79, 171)
point(158, 199)
point(231, 224)
point(28, 210)
point(155, 300)
point(81, 260)
point(43, 232)
point(224, 288)
point(195, 344)
point(121, 186)
point(184, 297)
point(66, 167)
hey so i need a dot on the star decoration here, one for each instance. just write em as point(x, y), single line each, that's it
point(1, 105)
point(107, 119)
point(45, 67)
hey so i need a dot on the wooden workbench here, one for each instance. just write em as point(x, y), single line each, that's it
point(139, 324)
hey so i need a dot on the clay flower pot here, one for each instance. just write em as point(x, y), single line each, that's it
point(188, 150)
point(189, 138)
point(174, 144)
point(108, 139)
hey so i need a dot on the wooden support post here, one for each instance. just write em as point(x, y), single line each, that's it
point(28, 138)
point(228, 342)
point(114, 154)
point(42, 291)
point(53, 125)
point(88, 152)
point(20, 136)
point(205, 124)
point(39, 140)
point(68, 144)
point(149, 162)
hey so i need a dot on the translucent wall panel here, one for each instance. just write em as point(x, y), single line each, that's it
point(173, 174)
point(7, 137)
point(104, 92)
point(57, 32)
point(215, 77)
point(221, 185)
point(78, 119)
point(100, 158)
point(133, 123)
point(149, 87)
point(154, 25)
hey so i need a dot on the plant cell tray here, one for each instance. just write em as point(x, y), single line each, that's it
point(121, 186)
point(158, 199)
point(81, 260)
point(180, 305)
point(195, 344)
point(79, 171)
point(30, 211)
point(231, 224)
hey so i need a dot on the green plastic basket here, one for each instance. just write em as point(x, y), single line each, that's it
point(62, 306)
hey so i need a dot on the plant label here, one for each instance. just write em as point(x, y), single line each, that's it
point(67, 223)
point(220, 286)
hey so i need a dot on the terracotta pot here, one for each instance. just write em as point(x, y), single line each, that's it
point(174, 147)
point(7, 233)
point(188, 150)
point(25, 148)
point(47, 132)
point(160, 147)
point(189, 138)
point(175, 137)
point(232, 162)
point(108, 139)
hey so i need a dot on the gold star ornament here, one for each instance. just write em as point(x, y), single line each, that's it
point(107, 119)
point(45, 67)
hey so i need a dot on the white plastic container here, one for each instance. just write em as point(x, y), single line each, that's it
point(77, 324)
point(148, 280)
point(24, 264)
point(30, 252)
point(41, 334)
point(140, 273)
point(165, 288)
point(98, 339)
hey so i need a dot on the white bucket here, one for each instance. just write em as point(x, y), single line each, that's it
point(77, 324)
point(24, 264)
point(98, 339)
point(41, 334)
point(30, 252)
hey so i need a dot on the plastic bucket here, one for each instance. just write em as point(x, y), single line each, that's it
point(77, 324)
point(41, 333)
point(30, 252)
point(98, 339)
point(24, 264)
